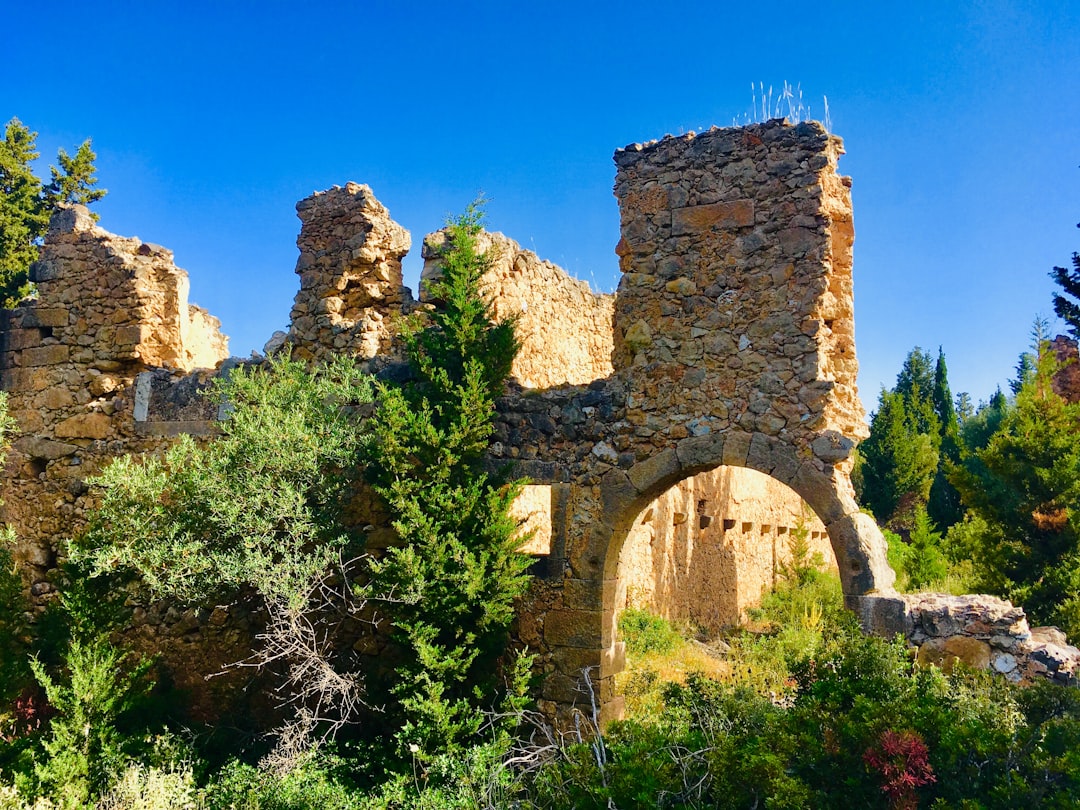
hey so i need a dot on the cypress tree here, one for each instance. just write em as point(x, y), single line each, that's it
point(454, 577)
point(944, 506)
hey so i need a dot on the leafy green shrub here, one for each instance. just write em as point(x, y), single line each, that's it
point(259, 509)
point(310, 786)
point(85, 746)
point(646, 633)
point(141, 787)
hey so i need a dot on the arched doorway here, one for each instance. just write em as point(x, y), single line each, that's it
point(705, 550)
point(858, 546)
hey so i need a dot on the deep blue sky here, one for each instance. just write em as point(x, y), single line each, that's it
point(211, 119)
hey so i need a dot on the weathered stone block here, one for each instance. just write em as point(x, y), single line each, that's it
point(574, 628)
point(736, 447)
point(655, 470)
point(45, 355)
point(130, 335)
point(945, 652)
point(697, 453)
point(697, 218)
point(39, 447)
point(85, 426)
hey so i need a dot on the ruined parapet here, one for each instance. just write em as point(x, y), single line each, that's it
point(350, 274)
point(107, 309)
point(565, 329)
point(734, 315)
point(706, 550)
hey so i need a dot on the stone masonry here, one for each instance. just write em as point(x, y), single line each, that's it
point(729, 344)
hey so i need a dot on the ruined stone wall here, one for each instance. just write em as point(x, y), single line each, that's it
point(351, 292)
point(565, 329)
point(736, 299)
point(107, 309)
point(350, 275)
point(709, 547)
point(980, 631)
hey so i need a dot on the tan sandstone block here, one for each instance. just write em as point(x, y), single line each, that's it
point(945, 652)
point(697, 218)
point(85, 426)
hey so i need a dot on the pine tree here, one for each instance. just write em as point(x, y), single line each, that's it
point(944, 504)
point(456, 573)
point(915, 382)
point(1029, 360)
point(1023, 486)
point(964, 408)
point(23, 212)
point(74, 182)
point(899, 461)
point(1066, 306)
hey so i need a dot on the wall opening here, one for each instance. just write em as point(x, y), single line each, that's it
point(708, 571)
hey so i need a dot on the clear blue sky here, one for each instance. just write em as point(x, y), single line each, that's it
point(211, 119)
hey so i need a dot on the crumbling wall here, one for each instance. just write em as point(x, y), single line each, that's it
point(565, 329)
point(709, 547)
point(350, 275)
point(736, 304)
point(107, 309)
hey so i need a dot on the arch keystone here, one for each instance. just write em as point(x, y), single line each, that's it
point(663, 466)
point(700, 452)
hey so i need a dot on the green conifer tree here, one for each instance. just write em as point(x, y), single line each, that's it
point(75, 182)
point(26, 205)
point(1066, 305)
point(944, 504)
point(454, 577)
point(23, 212)
point(1023, 487)
point(899, 461)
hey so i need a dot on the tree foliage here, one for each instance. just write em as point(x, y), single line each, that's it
point(1067, 302)
point(260, 509)
point(1023, 489)
point(75, 182)
point(453, 578)
point(943, 506)
point(26, 204)
point(23, 213)
point(899, 459)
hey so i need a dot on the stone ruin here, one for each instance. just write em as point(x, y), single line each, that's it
point(641, 419)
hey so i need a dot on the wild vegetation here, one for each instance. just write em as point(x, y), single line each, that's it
point(798, 710)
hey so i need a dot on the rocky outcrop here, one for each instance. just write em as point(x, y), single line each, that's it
point(980, 631)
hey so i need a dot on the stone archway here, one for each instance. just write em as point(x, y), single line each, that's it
point(705, 551)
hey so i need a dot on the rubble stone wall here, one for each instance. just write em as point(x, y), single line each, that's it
point(107, 309)
point(979, 631)
point(728, 344)
point(350, 275)
point(564, 327)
